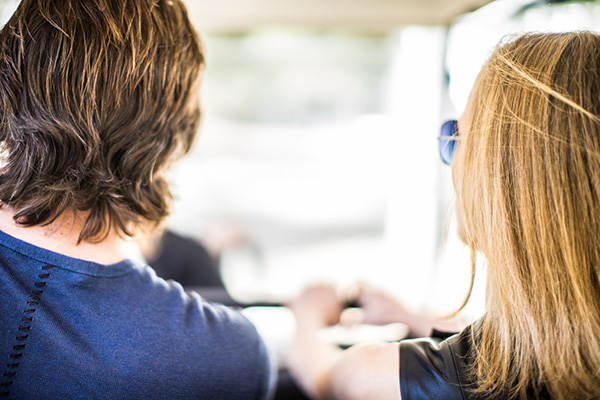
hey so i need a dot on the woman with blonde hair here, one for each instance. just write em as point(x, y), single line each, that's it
point(526, 170)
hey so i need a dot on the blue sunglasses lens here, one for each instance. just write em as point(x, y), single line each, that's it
point(447, 141)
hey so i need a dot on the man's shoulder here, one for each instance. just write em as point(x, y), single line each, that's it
point(216, 340)
point(155, 331)
point(187, 316)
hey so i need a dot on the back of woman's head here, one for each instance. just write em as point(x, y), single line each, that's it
point(96, 98)
point(528, 186)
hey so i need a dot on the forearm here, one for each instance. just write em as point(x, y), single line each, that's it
point(312, 360)
point(361, 372)
point(323, 370)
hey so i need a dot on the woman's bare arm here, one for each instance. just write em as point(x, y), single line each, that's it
point(325, 371)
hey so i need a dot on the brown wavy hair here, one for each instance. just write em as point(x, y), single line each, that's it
point(528, 195)
point(96, 98)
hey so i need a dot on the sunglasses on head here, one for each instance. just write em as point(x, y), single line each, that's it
point(447, 141)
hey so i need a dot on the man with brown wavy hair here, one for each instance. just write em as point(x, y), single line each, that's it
point(97, 98)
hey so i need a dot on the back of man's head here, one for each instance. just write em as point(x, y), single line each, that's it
point(96, 98)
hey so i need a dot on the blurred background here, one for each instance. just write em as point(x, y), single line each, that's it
point(317, 160)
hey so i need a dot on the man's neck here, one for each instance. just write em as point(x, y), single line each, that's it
point(62, 235)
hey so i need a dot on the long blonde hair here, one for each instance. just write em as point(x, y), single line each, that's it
point(528, 194)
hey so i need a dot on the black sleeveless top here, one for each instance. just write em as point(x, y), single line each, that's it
point(438, 368)
point(434, 368)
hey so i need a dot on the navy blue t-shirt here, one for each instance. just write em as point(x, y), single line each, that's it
point(73, 329)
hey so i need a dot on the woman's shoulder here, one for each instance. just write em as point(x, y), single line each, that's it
point(438, 366)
